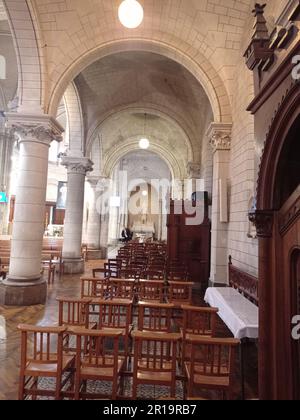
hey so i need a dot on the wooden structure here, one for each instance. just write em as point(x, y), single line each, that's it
point(276, 108)
point(190, 243)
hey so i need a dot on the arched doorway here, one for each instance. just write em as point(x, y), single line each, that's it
point(277, 218)
point(295, 298)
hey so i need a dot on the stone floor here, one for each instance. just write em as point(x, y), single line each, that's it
point(48, 315)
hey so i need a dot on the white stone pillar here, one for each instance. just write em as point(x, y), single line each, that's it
point(24, 285)
point(77, 170)
point(93, 226)
point(104, 189)
point(220, 140)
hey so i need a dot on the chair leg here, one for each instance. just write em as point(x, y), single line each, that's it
point(58, 389)
point(21, 387)
point(35, 387)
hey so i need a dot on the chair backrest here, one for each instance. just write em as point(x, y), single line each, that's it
point(180, 292)
point(94, 288)
point(116, 313)
point(130, 273)
point(122, 289)
point(101, 354)
point(114, 266)
point(155, 352)
point(151, 290)
point(73, 312)
point(101, 273)
point(154, 275)
point(155, 317)
point(199, 320)
point(213, 356)
point(41, 345)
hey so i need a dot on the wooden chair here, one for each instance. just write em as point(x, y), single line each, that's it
point(152, 291)
point(47, 265)
point(116, 314)
point(211, 365)
point(156, 317)
point(101, 362)
point(42, 356)
point(74, 313)
point(94, 288)
point(197, 322)
point(154, 360)
point(180, 293)
point(114, 266)
point(123, 289)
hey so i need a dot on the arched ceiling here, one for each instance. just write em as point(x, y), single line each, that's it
point(144, 80)
point(144, 165)
point(122, 131)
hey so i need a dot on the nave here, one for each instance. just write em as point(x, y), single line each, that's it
point(70, 287)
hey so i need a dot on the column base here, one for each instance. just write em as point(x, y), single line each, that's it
point(104, 253)
point(14, 293)
point(94, 254)
point(74, 266)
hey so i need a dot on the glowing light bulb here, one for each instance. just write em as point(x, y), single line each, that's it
point(144, 144)
point(131, 14)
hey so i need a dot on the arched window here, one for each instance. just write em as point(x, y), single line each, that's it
point(2, 68)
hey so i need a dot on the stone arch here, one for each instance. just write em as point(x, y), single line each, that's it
point(2, 67)
point(163, 113)
point(75, 121)
point(208, 78)
point(31, 67)
point(163, 153)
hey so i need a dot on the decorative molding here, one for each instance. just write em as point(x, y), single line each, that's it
point(76, 165)
point(219, 136)
point(194, 170)
point(93, 181)
point(263, 220)
point(259, 56)
point(245, 283)
point(290, 212)
point(41, 129)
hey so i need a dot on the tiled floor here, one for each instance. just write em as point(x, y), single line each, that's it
point(48, 315)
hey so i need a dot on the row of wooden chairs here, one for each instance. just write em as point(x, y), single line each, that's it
point(211, 365)
point(138, 290)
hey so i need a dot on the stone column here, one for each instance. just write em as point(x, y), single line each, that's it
point(24, 285)
point(104, 188)
point(77, 170)
point(93, 225)
point(220, 140)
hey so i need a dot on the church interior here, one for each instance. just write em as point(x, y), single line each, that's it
point(149, 200)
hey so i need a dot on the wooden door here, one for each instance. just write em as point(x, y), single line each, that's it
point(290, 305)
point(295, 282)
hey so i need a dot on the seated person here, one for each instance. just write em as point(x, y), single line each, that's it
point(126, 235)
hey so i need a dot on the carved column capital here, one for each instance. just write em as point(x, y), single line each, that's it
point(263, 220)
point(41, 129)
point(219, 135)
point(77, 165)
point(93, 181)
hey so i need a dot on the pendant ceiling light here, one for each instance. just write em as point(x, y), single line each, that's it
point(144, 142)
point(131, 14)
